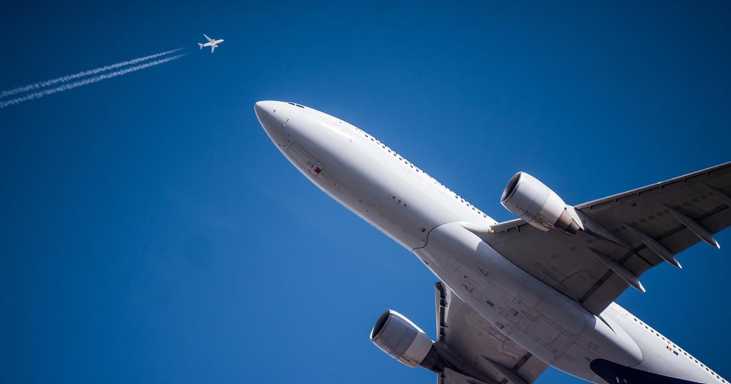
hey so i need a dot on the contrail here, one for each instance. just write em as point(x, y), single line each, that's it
point(91, 80)
point(75, 76)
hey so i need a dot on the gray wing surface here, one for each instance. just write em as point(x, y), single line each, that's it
point(452, 377)
point(478, 345)
point(650, 225)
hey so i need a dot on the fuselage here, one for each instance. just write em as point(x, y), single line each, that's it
point(211, 43)
point(427, 218)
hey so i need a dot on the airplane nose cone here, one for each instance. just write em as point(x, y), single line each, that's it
point(266, 112)
point(273, 117)
point(260, 108)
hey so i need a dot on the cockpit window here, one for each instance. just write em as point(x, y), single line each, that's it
point(295, 104)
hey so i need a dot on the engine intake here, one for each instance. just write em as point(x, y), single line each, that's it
point(401, 339)
point(538, 205)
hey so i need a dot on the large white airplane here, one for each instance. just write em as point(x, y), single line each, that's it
point(517, 296)
point(213, 43)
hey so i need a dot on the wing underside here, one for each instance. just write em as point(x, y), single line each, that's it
point(479, 346)
point(646, 226)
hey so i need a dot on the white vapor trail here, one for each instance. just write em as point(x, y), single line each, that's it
point(91, 80)
point(81, 74)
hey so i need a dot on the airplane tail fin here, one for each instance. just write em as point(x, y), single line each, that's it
point(200, 46)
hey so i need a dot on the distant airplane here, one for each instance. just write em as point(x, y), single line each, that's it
point(517, 296)
point(213, 43)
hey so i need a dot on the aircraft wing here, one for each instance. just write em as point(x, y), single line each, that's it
point(648, 226)
point(207, 38)
point(478, 345)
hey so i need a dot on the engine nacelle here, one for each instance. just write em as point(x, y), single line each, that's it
point(538, 205)
point(401, 339)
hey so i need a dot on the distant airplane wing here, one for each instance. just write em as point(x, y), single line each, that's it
point(207, 38)
point(480, 346)
point(652, 224)
point(213, 48)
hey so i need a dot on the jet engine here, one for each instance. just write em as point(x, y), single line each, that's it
point(401, 339)
point(538, 205)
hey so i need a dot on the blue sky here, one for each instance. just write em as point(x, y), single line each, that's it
point(152, 233)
